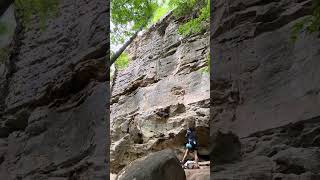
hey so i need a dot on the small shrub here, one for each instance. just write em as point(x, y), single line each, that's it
point(186, 7)
point(309, 24)
point(206, 69)
point(122, 62)
point(41, 8)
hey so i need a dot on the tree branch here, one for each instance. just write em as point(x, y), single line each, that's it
point(123, 47)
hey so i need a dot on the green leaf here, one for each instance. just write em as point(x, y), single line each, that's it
point(122, 62)
point(43, 9)
point(186, 7)
point(309, 24)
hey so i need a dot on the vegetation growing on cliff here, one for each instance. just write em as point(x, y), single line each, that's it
point(309, 24)
point(200, 13)
point(40, 8)
point(161, 10)
point(206, 69)
point(130, 17)
point(122, 62)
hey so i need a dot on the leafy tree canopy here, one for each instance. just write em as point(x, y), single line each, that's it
point(200, 11)
point(122, 62)
point(129, 16)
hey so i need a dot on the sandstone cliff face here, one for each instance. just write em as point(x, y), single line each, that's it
point(162, 88)
point(264, 90)
point(54, 95)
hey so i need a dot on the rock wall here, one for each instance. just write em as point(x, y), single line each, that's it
point(264, 91)
point(53, 104)
point(161, 89)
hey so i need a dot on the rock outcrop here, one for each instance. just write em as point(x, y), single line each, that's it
point(54, 93)
point(156, 166)
point(162, 88)
point(198, 174)
point(264, 91)
point(203, 173)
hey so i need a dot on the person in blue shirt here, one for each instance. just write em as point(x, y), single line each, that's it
point(191, 144)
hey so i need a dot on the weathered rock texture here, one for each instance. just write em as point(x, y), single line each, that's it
point(264, 91)
point(54, 96)
point(160, 91)
point(156, 166)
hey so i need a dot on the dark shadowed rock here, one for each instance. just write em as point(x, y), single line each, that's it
point(265, 89)
point(225, 148)
point(162, 165)
point(4, 4)
point(53, 96)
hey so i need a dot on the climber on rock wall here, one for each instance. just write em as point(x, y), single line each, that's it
point(191, 144)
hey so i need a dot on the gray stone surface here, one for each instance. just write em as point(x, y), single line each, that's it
point(161, 89)
point(53, 117)
point(156, 166)
point(265, 89)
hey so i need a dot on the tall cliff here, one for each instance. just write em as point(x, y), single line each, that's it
point(264, 91)
point(162, 88)
point(54, 94)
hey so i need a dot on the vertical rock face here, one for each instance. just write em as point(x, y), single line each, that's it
point(265, 90)
point(160, 91)
point(54, 98)
point(8, 23)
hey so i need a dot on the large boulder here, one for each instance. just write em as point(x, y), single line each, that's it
point(162, 165)
point(225, 148)
point(198, 174)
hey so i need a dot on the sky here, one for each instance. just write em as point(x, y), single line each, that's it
point(115, 47)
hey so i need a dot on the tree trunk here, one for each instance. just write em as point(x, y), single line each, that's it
point(125, 45)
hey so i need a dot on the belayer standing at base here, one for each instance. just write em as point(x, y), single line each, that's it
point(191, 144)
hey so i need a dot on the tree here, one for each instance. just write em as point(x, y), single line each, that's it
point(129, 17)
point(197, 12)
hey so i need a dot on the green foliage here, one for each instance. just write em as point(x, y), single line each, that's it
point(162, 9)
point(129, 16)
point(309, 24)
point(122, 62)
point(3, 28)
point(139, 12)
point(183, 7)
point(207, 68)
point(43, 9)
point(186, 7)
